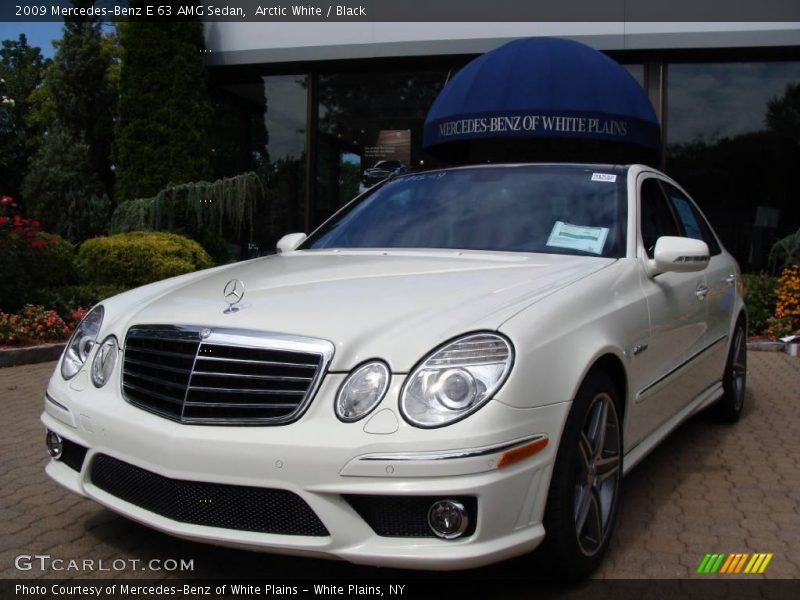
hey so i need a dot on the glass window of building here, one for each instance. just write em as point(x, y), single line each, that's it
point(370, 127)
point(260, 126)
point(733, 140)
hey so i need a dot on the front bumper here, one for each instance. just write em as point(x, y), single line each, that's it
point(322, 460)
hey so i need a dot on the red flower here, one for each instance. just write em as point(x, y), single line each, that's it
point(53, 242)
point(38, 244)
point(3, 220)
point(6, 200)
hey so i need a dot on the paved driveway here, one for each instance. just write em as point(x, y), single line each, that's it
point(708, 488)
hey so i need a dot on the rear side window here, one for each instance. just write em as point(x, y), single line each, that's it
point(656, 216)
point(693, 223)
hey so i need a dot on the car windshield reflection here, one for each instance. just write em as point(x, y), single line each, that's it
point(521, 208)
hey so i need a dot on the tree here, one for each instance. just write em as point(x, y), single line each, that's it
point(80, 87)
point(164, 108)
point(63, 190)
point(21, 70)
point(70, 175)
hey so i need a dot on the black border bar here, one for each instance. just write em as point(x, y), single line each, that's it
point(366, 11)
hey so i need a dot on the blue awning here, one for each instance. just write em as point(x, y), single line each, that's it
point(542, 88)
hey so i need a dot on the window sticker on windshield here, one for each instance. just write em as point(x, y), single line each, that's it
point(611, 178)
point(577, 237)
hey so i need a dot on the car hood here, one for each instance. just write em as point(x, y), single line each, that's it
point(393, 305)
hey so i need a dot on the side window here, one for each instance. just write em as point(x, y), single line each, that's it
point(694, 225)
point(656, 217)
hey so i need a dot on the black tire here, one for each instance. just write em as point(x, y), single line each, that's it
point(728, 408)
point(584, 495)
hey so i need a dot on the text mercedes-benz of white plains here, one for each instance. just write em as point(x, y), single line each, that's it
point(458, 366)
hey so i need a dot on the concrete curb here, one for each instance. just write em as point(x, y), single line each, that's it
point(765, 346)
point(12, 357)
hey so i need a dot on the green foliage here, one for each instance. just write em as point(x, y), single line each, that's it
point(213, 243)
point(55, 260)
point(759, 297)
point(139, 257)
point(28, 264)
point(61, 184)
point(786, 251)
point(21, 71)
point(81, 90)
point(86, 216)
point(69, 176)
point(42, 110)
point(205, 211)
point(164, 107)
point(65, 299)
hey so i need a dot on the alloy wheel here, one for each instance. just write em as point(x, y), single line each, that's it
point(598, 474)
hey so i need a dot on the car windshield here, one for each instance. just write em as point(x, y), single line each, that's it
point(566, 209)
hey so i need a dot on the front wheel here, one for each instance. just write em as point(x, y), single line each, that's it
point(584, 493)
point(728, 408)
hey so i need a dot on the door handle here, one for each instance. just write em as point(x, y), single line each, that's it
point(731, 280)
point(701, 291)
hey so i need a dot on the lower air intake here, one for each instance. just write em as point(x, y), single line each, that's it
point(211, 504)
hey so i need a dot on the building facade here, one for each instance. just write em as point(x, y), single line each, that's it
point(311, 106)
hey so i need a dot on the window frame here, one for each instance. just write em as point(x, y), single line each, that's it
point(643, 179)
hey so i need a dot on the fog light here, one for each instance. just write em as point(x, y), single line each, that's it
point(55, 446)
point(448, 519)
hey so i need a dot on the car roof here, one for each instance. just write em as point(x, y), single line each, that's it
point(607, 167)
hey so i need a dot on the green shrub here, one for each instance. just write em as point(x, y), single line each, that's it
point(65, 299)
point(54, 262)
point(759, 296)
point(139, 257)
point(30, 259)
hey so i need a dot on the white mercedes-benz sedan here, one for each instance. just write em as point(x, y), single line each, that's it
point(457, 367)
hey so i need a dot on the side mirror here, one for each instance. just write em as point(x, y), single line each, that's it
point(678, 255)
point(290, 242)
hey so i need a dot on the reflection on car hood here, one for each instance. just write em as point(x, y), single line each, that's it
point(396, 304)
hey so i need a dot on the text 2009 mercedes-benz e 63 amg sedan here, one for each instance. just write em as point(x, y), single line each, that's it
point(457, 367)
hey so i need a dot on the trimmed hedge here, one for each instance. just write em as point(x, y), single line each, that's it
point(139, 257)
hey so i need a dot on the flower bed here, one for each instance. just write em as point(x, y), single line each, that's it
point(35, 325)
point(786, 320)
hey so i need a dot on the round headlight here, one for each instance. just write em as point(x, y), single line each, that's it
point(456, 380)
point(456, 389)
point(362, 391)
point(81, 343)
point(104, 361)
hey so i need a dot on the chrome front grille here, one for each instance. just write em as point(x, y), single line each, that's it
point(221, 376)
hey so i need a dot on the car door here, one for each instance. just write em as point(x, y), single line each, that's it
point(721, 274)
point(677, 312)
